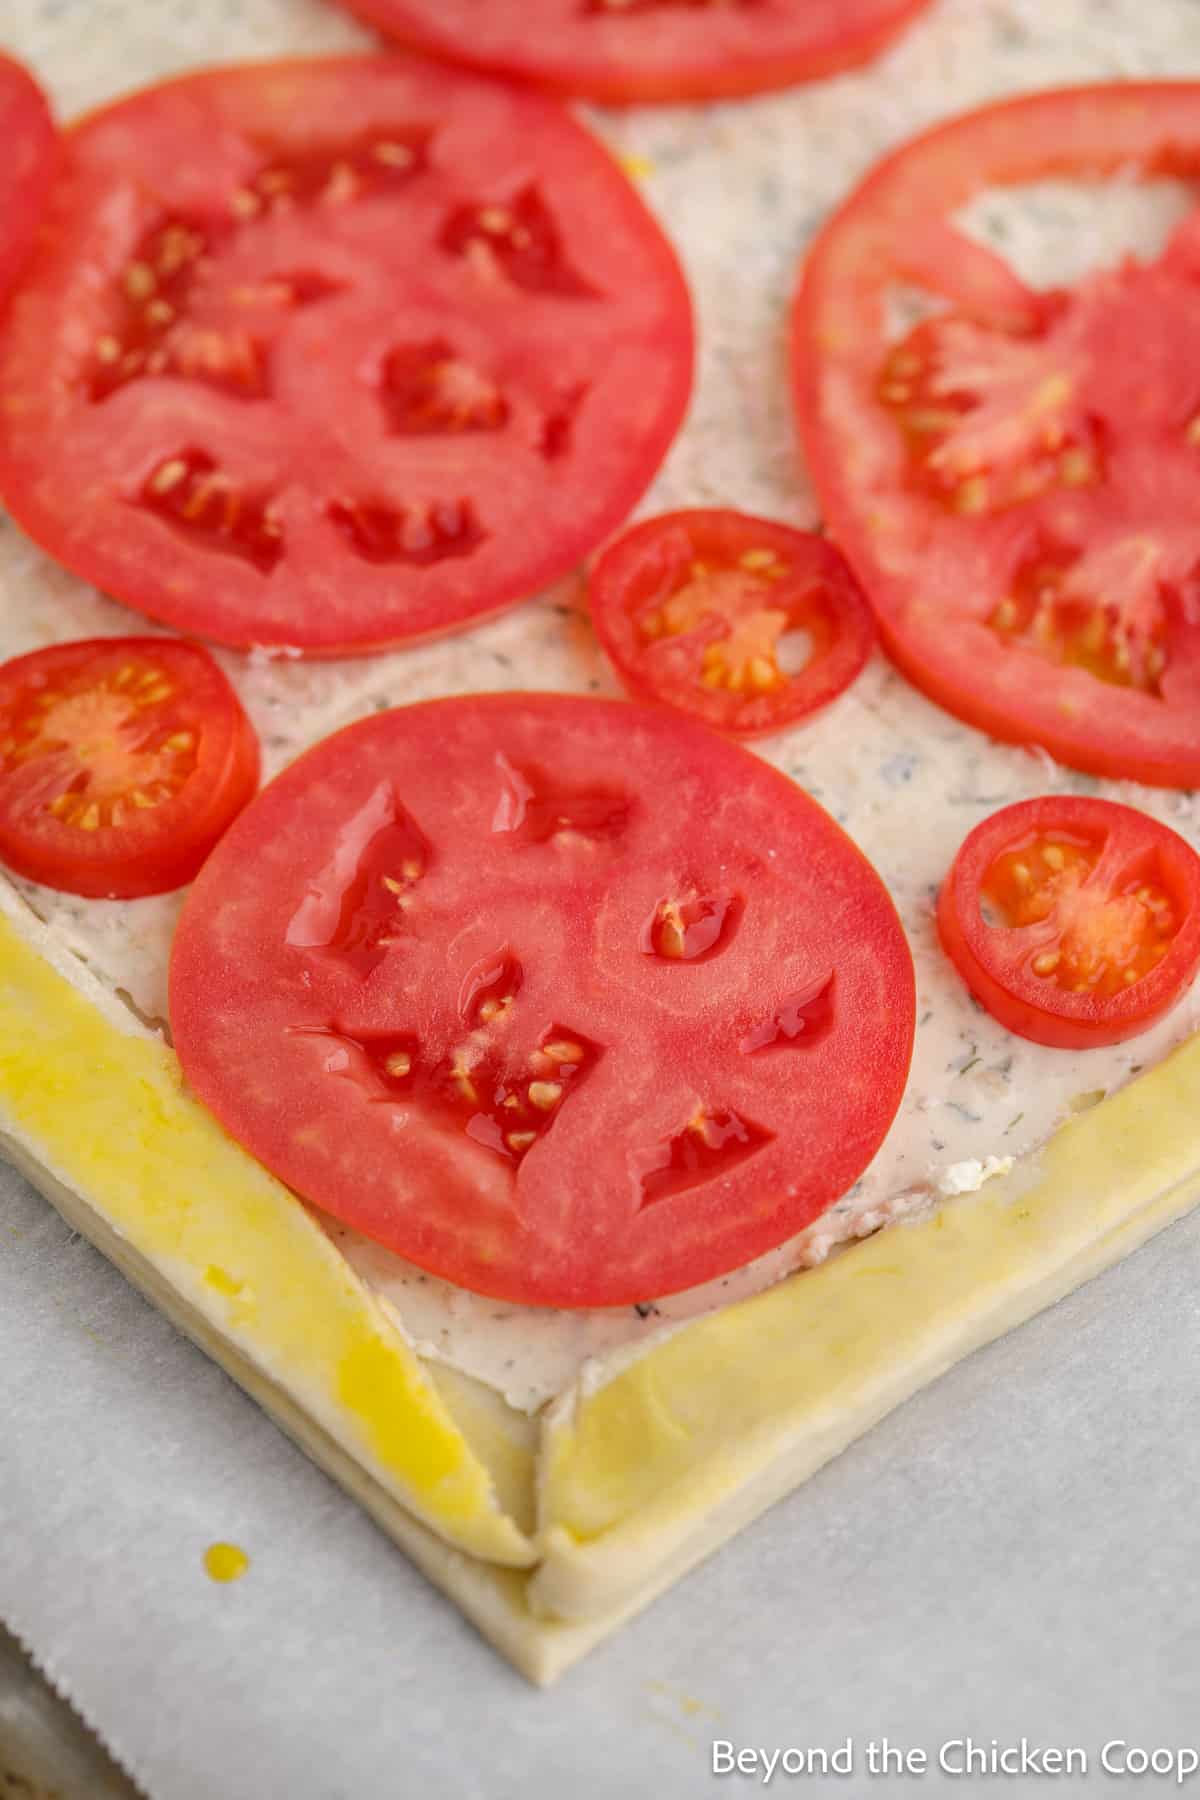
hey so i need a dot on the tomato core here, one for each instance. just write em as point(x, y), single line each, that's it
point(1075, 921)
point(112, 751)
point(1107, 941)
point(739, 597)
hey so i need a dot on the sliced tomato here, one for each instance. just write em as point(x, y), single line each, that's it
point(27, 166)
point(697, 610)
point(1075, 922)
point(620, 51)
point(1016, 481)
point(122, 760)
point(337, 354)
point(569, 1001)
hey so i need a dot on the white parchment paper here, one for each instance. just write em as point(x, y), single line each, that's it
point(1011, 1555)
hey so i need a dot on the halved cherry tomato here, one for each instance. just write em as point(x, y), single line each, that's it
point(337, 354)
point(622, 51)
point(122, 761)
point(27, 164)
point(1075, 922)
point(1016, 481)
point(570, 1001)
point(694, 609)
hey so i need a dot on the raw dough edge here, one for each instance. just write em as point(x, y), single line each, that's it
point(682, 1448)
point(95, 1112)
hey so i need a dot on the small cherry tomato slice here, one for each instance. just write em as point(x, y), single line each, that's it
point(1015, 479)
point(122, 761)
point(622, 51)
point(696, 608)
point(1075, 922)
point(569, 1001)
point(26, 166)
point(337, 354)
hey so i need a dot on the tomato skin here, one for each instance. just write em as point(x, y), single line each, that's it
point(998, 963)
point(568, 1001)
point(151, 849)
point(643, 573)
point(939, 579)
point(27, 168)
point(337, 424)
point(623, 65)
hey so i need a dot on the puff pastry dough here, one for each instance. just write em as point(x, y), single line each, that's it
point(549, 1534)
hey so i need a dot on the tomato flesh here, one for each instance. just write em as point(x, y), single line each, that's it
point(1075, 921)
point(695, 608)
point(624, 51)
point(27, 167)
point(1016, 479)
point(568, 1001)
point(336, 355)
point(122, 761)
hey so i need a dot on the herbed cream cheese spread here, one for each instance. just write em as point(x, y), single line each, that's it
point(740, 189)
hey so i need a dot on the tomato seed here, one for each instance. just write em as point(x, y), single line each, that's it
point(140, 281)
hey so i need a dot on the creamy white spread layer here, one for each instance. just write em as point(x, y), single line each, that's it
point(741, 190)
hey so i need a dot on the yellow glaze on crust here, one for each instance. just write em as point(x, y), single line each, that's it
point(504, 1439)
point(780, 1383)
point(106, 1113)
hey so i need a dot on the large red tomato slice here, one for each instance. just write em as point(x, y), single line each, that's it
point(122, 760)
point(1076, 922)
point(617, 51)
point(26, 166)
point(337, 354)
point(696, 609)
point(1017, 480)
point(569, 1001)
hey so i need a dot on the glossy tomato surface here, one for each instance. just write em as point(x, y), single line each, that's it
point(568, 1001)
point(699, 610)
point(337, 354)
point(122, 760)
point(1075, 921)
point(27, 165)
point(1016, 477)
point(618, 51)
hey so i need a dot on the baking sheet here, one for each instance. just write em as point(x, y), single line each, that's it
point(1009, 1556)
